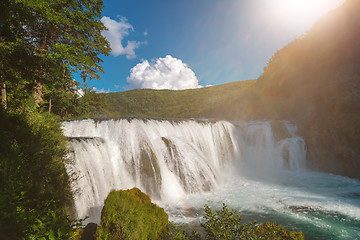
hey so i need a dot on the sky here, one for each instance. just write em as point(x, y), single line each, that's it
point(181, 44)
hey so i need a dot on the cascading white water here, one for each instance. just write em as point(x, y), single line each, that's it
point(256, 168)
point(166, 159)
point(262, 152)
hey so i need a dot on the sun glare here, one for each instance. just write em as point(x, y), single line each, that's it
point(300, 13)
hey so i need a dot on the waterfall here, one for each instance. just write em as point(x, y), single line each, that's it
point(168, 159)
point(267, 148)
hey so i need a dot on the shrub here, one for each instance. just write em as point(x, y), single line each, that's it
point(273, 231)
point(34, 189)
point(176, 231)
point(130, 214)
point(226, 224)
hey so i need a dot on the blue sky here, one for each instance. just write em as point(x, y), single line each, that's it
point(178, 44)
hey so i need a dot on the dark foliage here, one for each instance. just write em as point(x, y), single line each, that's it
point(34, 189)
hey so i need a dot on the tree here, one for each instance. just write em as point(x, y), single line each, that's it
point(56, 36)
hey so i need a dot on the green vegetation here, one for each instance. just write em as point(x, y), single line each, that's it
point(179, 232)
point(34, 189)
point(37, 61)
point(42, 43)
point(130, 214)
point(190, 103)
point(273, 231)
point(226, 224)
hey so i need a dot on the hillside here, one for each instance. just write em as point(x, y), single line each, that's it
point(190, 103)
point(315, 82)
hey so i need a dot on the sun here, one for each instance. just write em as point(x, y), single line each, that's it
point(297, 13)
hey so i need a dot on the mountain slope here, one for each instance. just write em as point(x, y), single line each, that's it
point(315, 82)
point(190, 103)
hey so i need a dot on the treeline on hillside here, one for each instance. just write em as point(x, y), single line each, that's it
point(190, 103)
point(42, 44)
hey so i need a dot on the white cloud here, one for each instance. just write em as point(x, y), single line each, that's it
point(117, 31)
point(101, 90)
point(162, 73)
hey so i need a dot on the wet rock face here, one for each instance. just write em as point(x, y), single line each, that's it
point(279, 130)
point(150, 172)
point(189, 180)
point(89, 232)
point(332, 148)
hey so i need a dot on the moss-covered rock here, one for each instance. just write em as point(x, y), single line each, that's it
point(130, 214)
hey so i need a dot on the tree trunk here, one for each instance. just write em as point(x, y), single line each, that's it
point(3, 95)
point(50, 106)
point(37, 93)
point(41, 72)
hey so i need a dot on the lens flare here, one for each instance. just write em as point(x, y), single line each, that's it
point(297, 13)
